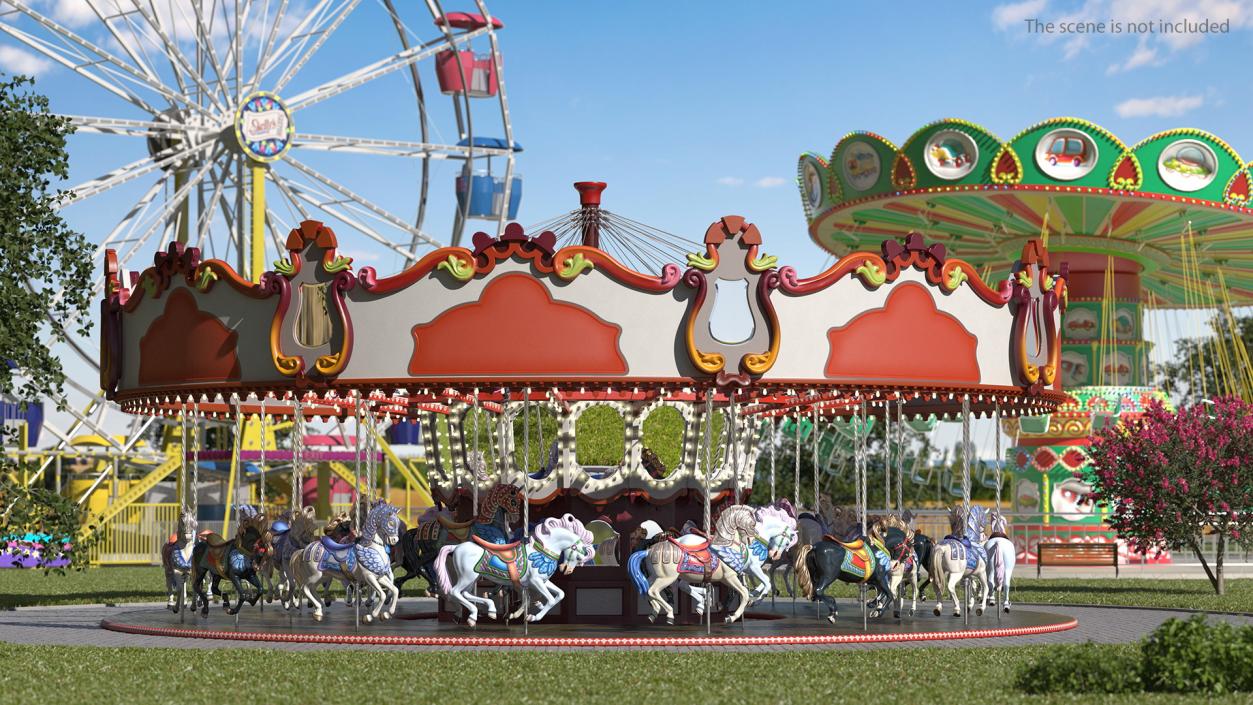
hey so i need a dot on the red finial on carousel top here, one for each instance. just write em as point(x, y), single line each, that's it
point(589, 202)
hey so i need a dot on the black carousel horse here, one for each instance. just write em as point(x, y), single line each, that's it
point(419, 547)
point(235, 559)
point(860, 560)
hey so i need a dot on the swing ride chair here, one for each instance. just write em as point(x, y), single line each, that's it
point(515, 328)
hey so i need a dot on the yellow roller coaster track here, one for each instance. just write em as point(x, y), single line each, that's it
point(137, 490)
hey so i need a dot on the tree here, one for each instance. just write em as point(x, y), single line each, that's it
point(1194, 373)
point(45, 524)
point(45, 268)
point(1169, 479)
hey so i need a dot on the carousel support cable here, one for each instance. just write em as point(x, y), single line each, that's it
point(526, 502)
point(234, 469)
point(184, 499)
point(264, 440)
point(478, 455)
point(796, 456)
point(733, 442)
point(709, 428)
point(297, 454)
point(773, 423)
point(900, 456)
point(195, 456)
point(966, 450)
point(887, 456)
point(357, 505)
point(996, 420)
point(859, 444)
point(814, 453)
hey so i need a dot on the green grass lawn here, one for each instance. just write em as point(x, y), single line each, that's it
point(22, 588)
point(933, 676)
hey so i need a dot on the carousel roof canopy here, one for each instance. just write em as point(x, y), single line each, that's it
point(903, 322)
point(1175, 197)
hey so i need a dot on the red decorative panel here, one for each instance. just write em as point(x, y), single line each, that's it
point(185, 344)
point(906, 339)
point(517, 328)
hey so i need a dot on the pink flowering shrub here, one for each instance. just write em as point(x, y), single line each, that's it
point(1170, 478)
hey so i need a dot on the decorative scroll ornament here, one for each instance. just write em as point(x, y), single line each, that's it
point(732, 257)
point(312, 321)
point(1033, 337)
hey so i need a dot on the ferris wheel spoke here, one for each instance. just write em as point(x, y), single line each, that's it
point(388, 147)
point(178, 60)
point(204, 38)
point(329, 207)
point(101, 57)
point(295, 41)
point(377, 69)
point(131, 171)
point(292, 201)
point(382, 213)
point(143, 64)
point(79, 67)
point(133, 128)
point(264, 48)
point(323, 35)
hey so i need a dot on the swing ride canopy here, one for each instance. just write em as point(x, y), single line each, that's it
point(1175, 207)
point(514, 320)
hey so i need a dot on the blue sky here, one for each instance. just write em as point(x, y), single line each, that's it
point(693, 110)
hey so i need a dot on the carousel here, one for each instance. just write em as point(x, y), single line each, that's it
point(500, 351)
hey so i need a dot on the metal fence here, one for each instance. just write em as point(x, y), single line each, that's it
point(135, 535)
point(1029, 529)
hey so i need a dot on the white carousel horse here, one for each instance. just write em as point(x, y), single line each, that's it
point(1001, 558)
point(176, 560)
point(958, 557)
point(776, 534)
point(695, 559)
point(557, 543)
point(363, 561)
point(811, 526)
point(290, 534)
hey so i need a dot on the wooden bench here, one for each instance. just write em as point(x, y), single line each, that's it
point(1076, 554)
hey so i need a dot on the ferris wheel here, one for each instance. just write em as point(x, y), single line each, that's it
point(222, 124)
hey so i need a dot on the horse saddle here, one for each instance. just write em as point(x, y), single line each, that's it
point(503, 561)
point(854, 545)
point(456, 529)
point(337, 556)
point(698, 559)
point(972, 551)
point(214, 540)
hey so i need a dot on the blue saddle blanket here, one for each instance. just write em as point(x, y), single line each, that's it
point(974, 552)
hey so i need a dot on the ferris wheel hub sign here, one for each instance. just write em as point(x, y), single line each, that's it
point(263, 126)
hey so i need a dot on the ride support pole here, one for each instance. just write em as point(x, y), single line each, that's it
point(257, 239)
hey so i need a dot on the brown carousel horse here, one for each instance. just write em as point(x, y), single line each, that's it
point(235, 559)
point(419, 546)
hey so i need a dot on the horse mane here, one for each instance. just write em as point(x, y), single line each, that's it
point(773, 512)
point(433, 513)
point(785, 506)
point(736, 516)
point(255, 521)
point(843, 519)
point(569, 523)
point(187, 519)
point(891, 521)
point(303, 524)
point(652, 464)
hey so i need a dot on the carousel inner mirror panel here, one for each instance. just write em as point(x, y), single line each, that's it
point(506, 349)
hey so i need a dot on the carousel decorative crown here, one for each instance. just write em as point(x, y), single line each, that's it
point(514, 321)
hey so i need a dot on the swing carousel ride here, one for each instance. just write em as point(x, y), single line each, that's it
point(1149, 231)
point(502, 349)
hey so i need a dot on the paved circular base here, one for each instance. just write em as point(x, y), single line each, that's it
point(765, 627)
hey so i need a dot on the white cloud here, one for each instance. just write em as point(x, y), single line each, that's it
point(74, 13)
point(1144, 55)
point(16, 60)
point(1160, 106)
point(730, 181)
point(769, 182)
point(1014, 14)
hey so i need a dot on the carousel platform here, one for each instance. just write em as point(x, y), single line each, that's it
point(413, 626)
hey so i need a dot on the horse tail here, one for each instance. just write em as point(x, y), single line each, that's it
point(635, 566)
point(804, 581)
point(998, 565)
point(441, 569)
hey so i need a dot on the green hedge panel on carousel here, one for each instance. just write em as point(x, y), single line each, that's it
point(1084, 321)
point(948, 152)
point(861, 164)
point(1045, 483)
point(1068, 150)
point(1188, 161)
